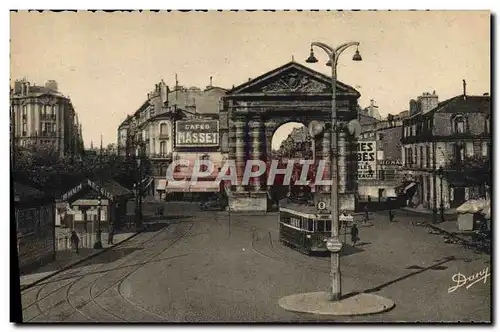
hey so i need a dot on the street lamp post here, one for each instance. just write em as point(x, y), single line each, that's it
point(441, 205)
point(334, 244)
point(138, 209)
point(98, 241)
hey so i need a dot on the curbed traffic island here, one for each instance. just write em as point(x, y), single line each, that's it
point(320, 303)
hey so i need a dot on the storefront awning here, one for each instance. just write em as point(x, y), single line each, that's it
point(201, 186)
point(204, 186)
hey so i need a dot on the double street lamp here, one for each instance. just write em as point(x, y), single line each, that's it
point(334, 244)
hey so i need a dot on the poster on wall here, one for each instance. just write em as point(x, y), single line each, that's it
point(197, 133)
point(367, 160)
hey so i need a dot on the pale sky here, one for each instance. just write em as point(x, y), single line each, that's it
point(108, 62)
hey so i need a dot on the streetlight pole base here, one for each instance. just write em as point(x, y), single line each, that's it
point(320, 303)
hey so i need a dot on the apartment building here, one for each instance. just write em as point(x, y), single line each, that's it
point(43, 117)
point(446, 148)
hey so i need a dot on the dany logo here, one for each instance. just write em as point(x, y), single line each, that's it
point(462, 280)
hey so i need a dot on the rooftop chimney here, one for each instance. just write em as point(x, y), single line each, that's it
point(210, 81)
point(51, 84)
point(465, 88)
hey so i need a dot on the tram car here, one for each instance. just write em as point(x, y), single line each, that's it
point(303, 229)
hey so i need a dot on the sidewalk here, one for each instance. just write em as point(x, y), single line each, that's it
point(450, 228)
point(67, 258)
point(449, 214)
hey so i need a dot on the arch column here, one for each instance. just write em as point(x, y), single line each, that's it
point(240, 135)
point(256, 129)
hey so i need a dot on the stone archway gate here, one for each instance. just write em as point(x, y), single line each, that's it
point(295, 93)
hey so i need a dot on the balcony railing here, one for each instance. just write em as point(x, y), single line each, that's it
point(48, 117)
point(164, 136)
point(469, 162)
point(160, 155)
point(48, 134)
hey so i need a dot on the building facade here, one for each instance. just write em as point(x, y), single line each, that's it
point(153, 127)
point(43, 117)
point(379, 159)
point(446, 148)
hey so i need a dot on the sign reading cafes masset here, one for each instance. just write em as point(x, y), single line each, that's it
point(194, 133)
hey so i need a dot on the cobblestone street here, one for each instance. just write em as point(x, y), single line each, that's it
point(209, 267)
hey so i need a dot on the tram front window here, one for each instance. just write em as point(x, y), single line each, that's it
point(320, 227)
point(323, 226)
point(309, 224)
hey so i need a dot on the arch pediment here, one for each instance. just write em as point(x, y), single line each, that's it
point(292, 78)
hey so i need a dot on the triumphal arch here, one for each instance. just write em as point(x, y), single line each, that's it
point(290, 93)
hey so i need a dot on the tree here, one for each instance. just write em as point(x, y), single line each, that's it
point(390, 119)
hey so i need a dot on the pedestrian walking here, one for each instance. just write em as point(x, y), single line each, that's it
point(391, 216)
point(75, 241)
point(366, 213)
point(354, 234)
point(111, 232)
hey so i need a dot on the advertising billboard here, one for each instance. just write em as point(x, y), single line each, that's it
point(197, 133)
point(367, 160)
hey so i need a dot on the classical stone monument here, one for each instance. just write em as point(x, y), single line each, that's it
point(290, 93)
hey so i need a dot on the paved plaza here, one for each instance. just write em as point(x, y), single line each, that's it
point(215, 267)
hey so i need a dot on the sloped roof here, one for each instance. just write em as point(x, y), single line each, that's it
point(114, 188)
point(459, 104)
point(469, 104)
point(294, 67)
point(35, 89)
point(206, 101)
point(22, 191)
point(109, 188)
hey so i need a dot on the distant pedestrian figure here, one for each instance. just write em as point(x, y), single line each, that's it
point(354, 234)
point(391, 216)
point(75, 241)
point(366, 213)
point(111, 233)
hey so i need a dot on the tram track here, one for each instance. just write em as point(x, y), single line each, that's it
point(92, 298)
point(140, 307)
point(284, 258)
point(79, 277)
point(71, 284)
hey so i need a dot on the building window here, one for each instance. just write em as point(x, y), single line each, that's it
point(421, 156)
point(163, 147)
point(163, 129)
point(25, 129)
point(459, 124)
point(476, 148)
point(428, 156)
point(485, 149)
point(410, 156)
point(25, 111)
point(459, 153)
point(487, 125)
